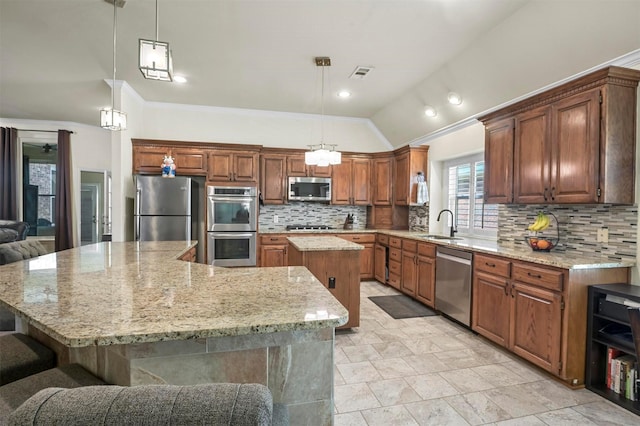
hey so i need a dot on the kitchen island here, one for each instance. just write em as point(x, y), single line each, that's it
point(132, 314)
point(336, 264)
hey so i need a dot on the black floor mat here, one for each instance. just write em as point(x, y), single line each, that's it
point(401, 306)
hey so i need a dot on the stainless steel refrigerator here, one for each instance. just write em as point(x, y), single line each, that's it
point(165, 208)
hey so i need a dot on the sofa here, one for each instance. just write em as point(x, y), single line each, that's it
point(214, 404)
point(14, 247)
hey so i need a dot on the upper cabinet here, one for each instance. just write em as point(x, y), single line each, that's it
point(408, 162)
point(273, 168)
point(148, 156)
point(382, 180)
point(351, 182)
point(233, 166)
point(572, 144)
point(297, 167)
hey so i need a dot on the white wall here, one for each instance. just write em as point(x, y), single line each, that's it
point(466, 141)
point(90, 150)
point(267, 128)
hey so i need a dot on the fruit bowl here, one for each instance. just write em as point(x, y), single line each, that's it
point(540, 243)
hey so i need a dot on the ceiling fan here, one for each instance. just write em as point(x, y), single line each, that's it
point(48, 148)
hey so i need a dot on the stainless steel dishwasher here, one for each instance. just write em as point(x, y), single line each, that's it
point(453, 284)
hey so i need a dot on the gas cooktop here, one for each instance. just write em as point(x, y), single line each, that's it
point(302, 227)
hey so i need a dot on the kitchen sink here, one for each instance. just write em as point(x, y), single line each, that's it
point(439, 237)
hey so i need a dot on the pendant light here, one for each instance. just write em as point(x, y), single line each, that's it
point(154, 57)
point(110, 118)
point(319, 155)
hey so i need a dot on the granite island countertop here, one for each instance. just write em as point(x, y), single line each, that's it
point(133, 292)
point(323, 243)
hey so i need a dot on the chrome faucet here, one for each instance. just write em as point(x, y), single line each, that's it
point(453, 225)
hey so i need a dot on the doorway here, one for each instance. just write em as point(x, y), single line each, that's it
point(95, 206)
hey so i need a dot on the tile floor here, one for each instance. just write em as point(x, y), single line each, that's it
point(431, 371)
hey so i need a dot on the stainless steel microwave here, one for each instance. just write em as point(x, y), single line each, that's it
point(309, 189)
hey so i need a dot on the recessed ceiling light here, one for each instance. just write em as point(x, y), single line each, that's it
point(430, 111)
point(344, 94)
point(179, 79)
point(454, 98)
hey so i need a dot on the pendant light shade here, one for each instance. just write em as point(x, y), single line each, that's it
point(111, 118)
point(319, 155)
point(154, 57)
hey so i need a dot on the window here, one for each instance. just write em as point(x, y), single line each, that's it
point(464, 179)
point(39, 158)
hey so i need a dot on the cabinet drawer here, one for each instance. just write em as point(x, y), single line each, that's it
point(541, 277)
point(383, 239)
point(395, 254)
point(492, 265)
point(428, 250)
point(394, 281)
point(410, 245)
point(395, 242)
point(395, 267)
point(273, 239)
point(359, 238)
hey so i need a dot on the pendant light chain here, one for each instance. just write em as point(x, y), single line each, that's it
point(113, 87)
point(322, 109)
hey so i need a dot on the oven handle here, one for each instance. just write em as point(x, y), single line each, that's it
point(230, 235)
point(235, 199)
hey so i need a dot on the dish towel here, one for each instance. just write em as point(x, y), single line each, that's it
point(423, 193)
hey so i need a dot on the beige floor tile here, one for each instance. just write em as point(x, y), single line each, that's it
point(476, 408)
point(435, 412)
point(425, 363)
point(499, 375)
point(392, 368)
point(359, 372)
point(391, 335)
point(466, 380)
point(558, 395)
point(386, 416)
point(528, 372)
point(431, 386)
point(354, 397)
point(461, 358)
point(422, 345)
point(349, 419)
point(447, 343)
point(565, 417)
point(392, 349)
point(339, 356)
point(364, 337)
point(393, 392)
point(516, 401)
point(361, 353)
point(337, 377)
point(605, 413)
point(524, 421)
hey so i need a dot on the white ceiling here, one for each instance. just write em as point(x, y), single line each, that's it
point(258, 54)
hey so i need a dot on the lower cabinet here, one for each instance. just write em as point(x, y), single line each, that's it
point(380, 263)
point(426, 274)
point(273, 250)
point(367, 261)
point(409, 267)
point(538, 313)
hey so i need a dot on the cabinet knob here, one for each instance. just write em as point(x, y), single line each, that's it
point(544, 194)
point(537, 276)
point(490, 265)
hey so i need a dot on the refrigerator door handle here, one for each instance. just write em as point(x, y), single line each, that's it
point(137, 226)
point(138, 201)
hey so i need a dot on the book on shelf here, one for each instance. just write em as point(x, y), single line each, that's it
point(612, 353)
point(622, 374)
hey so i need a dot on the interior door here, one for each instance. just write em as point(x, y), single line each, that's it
point(89, 223)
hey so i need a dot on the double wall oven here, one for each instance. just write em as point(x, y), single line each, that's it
point(232, 223)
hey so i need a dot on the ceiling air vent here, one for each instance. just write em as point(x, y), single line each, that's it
point(361, 72)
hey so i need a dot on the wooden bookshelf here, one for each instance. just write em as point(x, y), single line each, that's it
point(604, 316)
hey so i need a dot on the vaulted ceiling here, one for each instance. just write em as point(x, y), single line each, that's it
point(258, 54)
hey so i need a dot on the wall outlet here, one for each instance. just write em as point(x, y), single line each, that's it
point(602, 235)
point(275, 218)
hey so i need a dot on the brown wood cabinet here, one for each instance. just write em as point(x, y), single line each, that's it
point(409, 267)
point(297, 167)
point(232, 166)
point(382, 179)
point(273, 178)
point(408, 162)
point(351, 182)
point(498, 162)
point(537, 312)
point(367, 255)
point(273, 250)
point(147, 159)
point(426, 274)
point(189, 255)
point(380, 263)
point(571, 144)
point(342, 266)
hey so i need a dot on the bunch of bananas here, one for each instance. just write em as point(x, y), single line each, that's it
point(541, 223)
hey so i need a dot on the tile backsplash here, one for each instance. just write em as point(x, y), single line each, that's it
point(578, 227)
point(419, 218)
point(305, 213)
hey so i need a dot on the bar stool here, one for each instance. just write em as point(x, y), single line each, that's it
point(22, 356)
